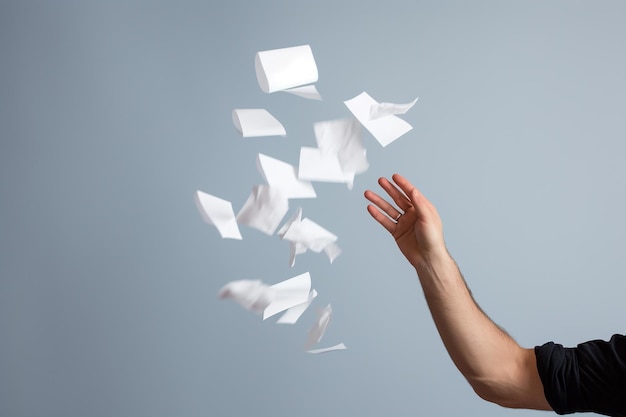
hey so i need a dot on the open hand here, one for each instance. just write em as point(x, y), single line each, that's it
point(413, 221)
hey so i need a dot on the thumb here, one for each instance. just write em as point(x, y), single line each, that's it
point(424, 209)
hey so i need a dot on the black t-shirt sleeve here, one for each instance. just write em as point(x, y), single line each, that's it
point(588, 378)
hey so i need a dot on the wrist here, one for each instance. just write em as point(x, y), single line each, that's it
point(434, 260)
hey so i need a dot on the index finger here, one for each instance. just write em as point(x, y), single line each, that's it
point(399, 196)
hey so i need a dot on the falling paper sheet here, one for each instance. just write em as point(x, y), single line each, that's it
point(316, 332)
point(340, 346)
point(385, 129)
point(293, 295)
point(296, 248)
point(315, 166)
point(288, 294)
point(387, 109)
point(218, 212)
point(282, 69)
point(303, 234)
point(256, 123)
point(332, 251)
point(280, 175)
point(264, 209)
point(310, 234)
point(307, 91)
point(342, 138)
point(250, 294)
point(292, 315)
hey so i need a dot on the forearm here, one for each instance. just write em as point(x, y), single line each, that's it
point(492, 362)
point(498, 369)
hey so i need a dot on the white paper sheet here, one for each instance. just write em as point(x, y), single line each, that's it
point(313, 236)
point(256, 123)
point(339, 346)
point(385, 129)
point(253, 295)
point(306, 91)
point(296, 248)
point(283, 176)
point(219, 213)
point(315, 166)
point(289, 293)
point(264, 209)
point(343, 138)
point(281, 69)
point(292, 315)
point(387, 109)
point(305, 234)
point(316, 332)
point(296, 217)
point(332, 251)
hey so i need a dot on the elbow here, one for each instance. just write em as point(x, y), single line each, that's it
point(494, 391)
point(512, 385)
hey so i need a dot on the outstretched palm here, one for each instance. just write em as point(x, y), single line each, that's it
point(417, 227)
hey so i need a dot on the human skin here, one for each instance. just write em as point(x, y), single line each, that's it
point(498, 368)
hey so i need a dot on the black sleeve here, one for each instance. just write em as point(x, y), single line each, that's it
point(588, 378)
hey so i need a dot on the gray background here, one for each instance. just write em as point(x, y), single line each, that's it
point(112, 114)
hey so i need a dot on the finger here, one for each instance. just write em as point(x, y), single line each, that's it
point(382, 204)
point(385, 221)
point(421, 204)
point(397, 195)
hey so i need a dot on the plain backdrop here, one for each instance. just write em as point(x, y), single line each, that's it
point(112, 114)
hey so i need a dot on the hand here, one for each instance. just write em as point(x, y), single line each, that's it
point(414, 224)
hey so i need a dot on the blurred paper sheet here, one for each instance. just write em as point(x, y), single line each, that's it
point(315, 166)
point(316, 332)
point(283, 176)
point(340, 346)
point(256, 123)
point(307, 91)
point(343, 138)
point(219, 213)
point(285, 68)
point(292, 315)
point(296, 248)
point(264, 209)
point(387, 109)
point(385, 129)
point(251, 294)
point(288, 294)
point(332, 251)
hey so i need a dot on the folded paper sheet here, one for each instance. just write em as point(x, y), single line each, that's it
point(219, 213)
point(264, 209)
point(283, 176)
point(307, 91)
point(256, 123)
point(285, 68)
point(310, 234)
point(387, 109)
point(251, 294)
point(305, 234)
point(296, 248)
point(314, 165)
point(289, 293)
point(342, 138)
point(332, 251)
point(316, 332)
point(339, 346)
point(293, 295)
point(385, 129)
point(292, 315)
